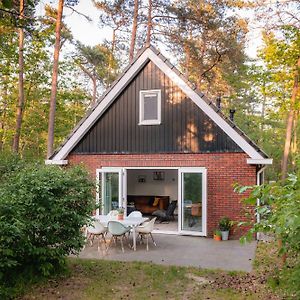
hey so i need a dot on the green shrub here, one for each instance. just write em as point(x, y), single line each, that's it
point(42, 209)
point(279, 211)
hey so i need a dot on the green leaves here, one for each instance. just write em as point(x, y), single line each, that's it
point(279, 210)
point(42, 210)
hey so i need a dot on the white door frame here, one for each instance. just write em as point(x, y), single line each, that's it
point(122, 186)
point(181, 171)
point(123, 192)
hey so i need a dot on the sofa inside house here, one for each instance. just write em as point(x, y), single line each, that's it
point(148, 204)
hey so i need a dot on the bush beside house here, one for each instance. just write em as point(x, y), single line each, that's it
point(42, 210)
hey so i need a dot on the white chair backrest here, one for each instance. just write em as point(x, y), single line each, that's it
point(113, 213)
point(135, 214)
point(96, 227)
point(116, 228)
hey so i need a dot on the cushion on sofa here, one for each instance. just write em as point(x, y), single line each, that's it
point(145, 203)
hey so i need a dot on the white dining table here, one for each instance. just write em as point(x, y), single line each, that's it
point(132, 222)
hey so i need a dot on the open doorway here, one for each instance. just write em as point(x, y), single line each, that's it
point(154, 192)
point(179, 192)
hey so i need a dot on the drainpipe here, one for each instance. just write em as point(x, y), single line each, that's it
point(261, 171)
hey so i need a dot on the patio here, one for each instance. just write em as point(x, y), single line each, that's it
point(183, 251)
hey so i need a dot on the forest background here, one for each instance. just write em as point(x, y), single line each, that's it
point(49, 78)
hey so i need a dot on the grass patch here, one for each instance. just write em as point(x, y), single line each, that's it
point(102, 279)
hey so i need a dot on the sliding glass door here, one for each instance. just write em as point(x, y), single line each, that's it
point(110, 194)
point(192, 201)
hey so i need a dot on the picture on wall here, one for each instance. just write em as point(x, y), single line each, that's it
point(158, 175)
point(141, 178)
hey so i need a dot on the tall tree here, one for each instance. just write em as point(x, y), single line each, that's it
point(54, 79)
point(291, 120)
point(98, 63)
point(20, 106)
point(281, 18)
point(208, 42)
point(134, 30)
point(149, 23)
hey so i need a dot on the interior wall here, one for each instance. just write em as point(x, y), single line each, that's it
point(151, 187)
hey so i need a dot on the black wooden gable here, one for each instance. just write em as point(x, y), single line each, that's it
point(184, 127)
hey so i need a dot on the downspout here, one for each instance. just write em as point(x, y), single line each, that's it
point(258, 200)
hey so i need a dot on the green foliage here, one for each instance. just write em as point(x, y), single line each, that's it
point(279, 210)
point(279, 213)
point(42, 211)
point(217, 232)
point(225, 224)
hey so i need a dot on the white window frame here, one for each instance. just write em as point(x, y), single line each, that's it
point(141, 109)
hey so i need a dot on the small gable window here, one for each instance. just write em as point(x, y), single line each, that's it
point(150, 107)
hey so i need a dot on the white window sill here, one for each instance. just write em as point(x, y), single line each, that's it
point(154, 122)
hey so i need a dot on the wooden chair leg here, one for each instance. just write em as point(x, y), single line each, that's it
point(127, 241)
point(147, 242)
point(92, 236)
point(108, 246)
point(103, 237)
point(152, 239)
point(121, 238)
point(98, 244)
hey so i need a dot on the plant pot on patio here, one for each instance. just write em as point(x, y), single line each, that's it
point(217, 235)
point(224, 225)
point(120, 215)
point(225, 235)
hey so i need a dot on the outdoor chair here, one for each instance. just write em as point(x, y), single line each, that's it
point(135, 214)
point(166, 215)
point(196, 213)
point(145, 230)
point(96, 229)
point(117, 230)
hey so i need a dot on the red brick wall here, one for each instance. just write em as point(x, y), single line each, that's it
point(223, 170)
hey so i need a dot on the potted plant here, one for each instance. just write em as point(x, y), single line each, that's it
point(224, 225)
point(120, 213)
point(217, 235)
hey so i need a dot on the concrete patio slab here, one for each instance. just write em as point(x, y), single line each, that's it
point(182, 251)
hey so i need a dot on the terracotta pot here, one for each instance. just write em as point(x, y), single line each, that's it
point(217, 238)
point(120, 217)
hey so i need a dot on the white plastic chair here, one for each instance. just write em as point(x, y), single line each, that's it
point(145, 230)
point(117, 229)
point(135, 214)
point(96, 229)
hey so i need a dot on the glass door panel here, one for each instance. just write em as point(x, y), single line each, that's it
point(110, 192)
point(193, 201)
point(110, 189)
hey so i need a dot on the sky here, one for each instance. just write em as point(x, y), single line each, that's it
point(90, 33)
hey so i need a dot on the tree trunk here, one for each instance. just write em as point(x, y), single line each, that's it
point(289, 124)
point(3, 115)
point(20, 106)
point(94, 90)
point(54, 79)
point(149, 23)
point(134, 30)
point(294, 143)
point(112, 52)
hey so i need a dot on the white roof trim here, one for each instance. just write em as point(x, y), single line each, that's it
point(265, 161)
point(201, 103)
point(56, 162)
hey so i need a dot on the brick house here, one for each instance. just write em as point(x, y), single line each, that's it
point(151, 137)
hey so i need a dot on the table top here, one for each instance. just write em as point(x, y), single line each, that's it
point(127, 221)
